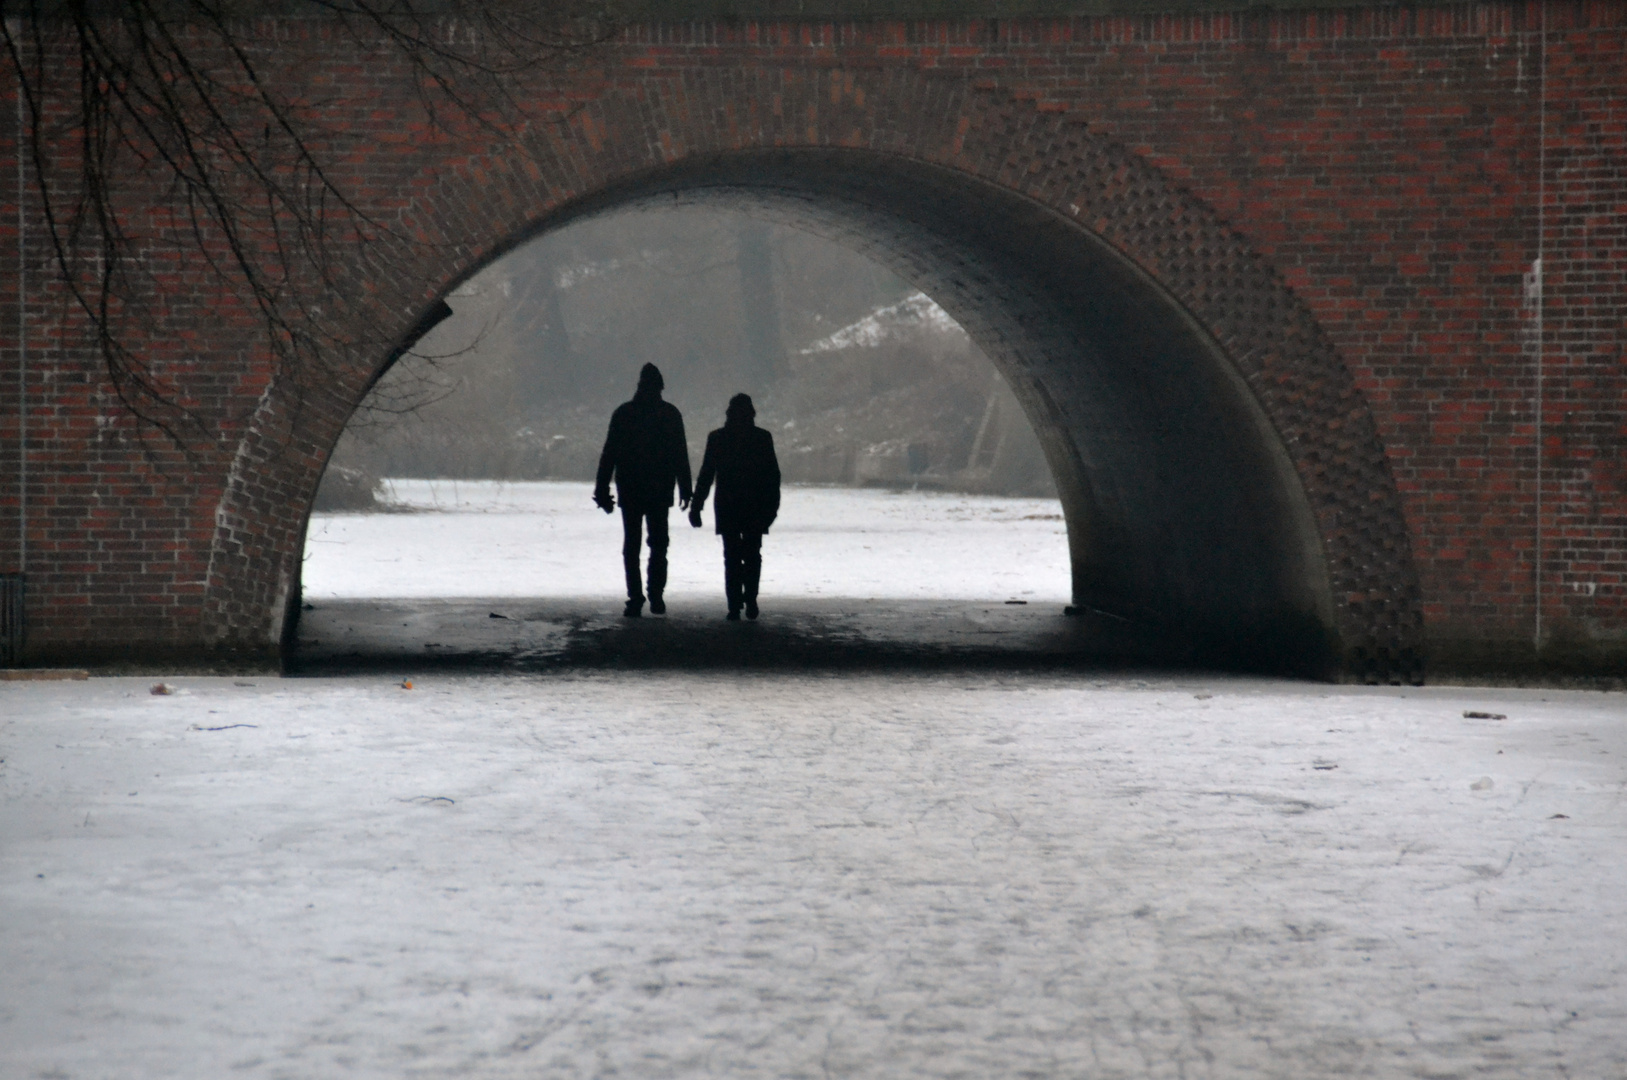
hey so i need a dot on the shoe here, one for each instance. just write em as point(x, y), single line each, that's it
point(733, 615)
point(633, 610)
point(658, 606)
point(751, 609)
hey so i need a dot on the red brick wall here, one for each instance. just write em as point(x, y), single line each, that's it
point(1386, 164)
point(1377, 171)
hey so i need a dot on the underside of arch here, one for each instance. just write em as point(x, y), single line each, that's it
point(1224, 482)
point(1185, 513)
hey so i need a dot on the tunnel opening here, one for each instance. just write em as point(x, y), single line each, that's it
point(864, 380)
point(1185, 517)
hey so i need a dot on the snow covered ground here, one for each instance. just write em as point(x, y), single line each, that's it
point(643, 874)
point(718, 873)
point(491, 538)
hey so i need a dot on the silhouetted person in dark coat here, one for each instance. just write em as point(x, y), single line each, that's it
point(740, 456)
point(646, 452)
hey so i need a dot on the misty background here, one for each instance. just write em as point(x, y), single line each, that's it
point(863, 380)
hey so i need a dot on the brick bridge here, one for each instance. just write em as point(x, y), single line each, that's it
point(1263, 281)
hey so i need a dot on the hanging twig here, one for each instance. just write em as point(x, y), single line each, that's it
point(186, 120)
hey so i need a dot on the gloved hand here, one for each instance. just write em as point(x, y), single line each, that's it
point(604, 501)
point(683, 502)
point(695, 515)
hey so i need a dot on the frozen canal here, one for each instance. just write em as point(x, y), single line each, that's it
point(646, 874)
point(491, 539)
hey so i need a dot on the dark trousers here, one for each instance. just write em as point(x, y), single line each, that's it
point(633, 525)
point(742, 567)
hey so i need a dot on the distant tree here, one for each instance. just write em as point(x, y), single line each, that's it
point(760, 303)
point(198, 104)
point(538, 327)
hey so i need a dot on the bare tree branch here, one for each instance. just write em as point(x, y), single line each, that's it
point(185, 117)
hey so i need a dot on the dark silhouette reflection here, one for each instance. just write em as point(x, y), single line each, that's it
point(740, 456)
point(646, 453)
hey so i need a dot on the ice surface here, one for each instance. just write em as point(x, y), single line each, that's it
point(667, 875)
point(490, 538)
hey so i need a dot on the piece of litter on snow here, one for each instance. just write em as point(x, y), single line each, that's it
point(1475, 714)
point(1324, 766)
point(1482, 784)
point(1551, 817)
point(406, 684)
point(494, 615)
point(161, 689)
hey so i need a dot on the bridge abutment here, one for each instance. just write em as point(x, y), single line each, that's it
point(1257, 281)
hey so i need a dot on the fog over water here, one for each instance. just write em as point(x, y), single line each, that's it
point(863, 380)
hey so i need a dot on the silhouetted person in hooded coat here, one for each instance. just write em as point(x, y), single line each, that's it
point(740, 457)
point(646, 453)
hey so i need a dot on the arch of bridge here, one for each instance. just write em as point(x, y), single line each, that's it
point(1221, 471)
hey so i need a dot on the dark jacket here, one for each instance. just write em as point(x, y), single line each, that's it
point(646, 452)
point(741, 458)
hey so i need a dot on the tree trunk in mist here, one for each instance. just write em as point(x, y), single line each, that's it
point(542, 335)
point(759, 303)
